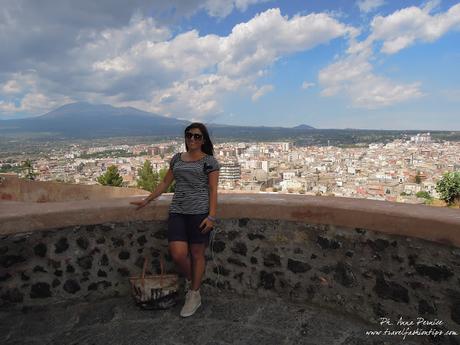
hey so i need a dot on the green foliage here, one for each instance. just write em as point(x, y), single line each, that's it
point(9, 168)
point(147, 178)
point(172, 186)
point(111, 177)
point(449, 187)
point(28, 170)
point(424, 195)
point(403, 194)
point(110, 153)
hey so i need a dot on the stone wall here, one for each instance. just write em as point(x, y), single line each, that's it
point(363, 272)
point(13, 188)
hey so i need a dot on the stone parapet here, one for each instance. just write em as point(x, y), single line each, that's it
point(435, 224)
point(368, 258)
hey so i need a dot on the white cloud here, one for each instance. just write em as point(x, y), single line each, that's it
point(367, 6)
point(262, 91)
point(307, 85)
point(353, 77)
point(404, 27)
point(354, 74)
point(144, 65)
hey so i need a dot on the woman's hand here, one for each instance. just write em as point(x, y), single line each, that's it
point(206, 225)
point(140, 203)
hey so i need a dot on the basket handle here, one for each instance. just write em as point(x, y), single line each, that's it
point(143, 271)
point(162, 268)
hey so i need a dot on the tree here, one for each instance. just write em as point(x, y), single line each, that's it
point(28, 170)
point(147, 178)
point(418, 178)
point(172, 186)
point(111, 177)
point(449, 187)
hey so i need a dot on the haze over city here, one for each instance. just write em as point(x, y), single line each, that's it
point(330, 64)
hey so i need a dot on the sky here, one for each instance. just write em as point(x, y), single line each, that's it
point(371, 64)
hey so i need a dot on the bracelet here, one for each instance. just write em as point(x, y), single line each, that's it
point(212, 219)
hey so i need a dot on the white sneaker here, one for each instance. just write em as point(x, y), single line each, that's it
point(192, 303)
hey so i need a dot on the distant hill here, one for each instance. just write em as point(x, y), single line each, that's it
point(303, 127)
point(85, 120)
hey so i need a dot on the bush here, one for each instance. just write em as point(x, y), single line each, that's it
point(423, 194)
point(449, 187)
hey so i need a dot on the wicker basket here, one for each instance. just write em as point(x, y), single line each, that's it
point(156, 291)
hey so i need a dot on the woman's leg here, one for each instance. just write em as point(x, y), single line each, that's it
point(198, 263)
point(179, 253)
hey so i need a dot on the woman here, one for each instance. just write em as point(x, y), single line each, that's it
point(193, 208)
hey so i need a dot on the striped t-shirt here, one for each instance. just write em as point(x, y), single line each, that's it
point(191, 195)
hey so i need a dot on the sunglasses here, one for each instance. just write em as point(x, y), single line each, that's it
point(195, 136)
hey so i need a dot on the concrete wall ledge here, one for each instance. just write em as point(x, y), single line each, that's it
point(440, 225)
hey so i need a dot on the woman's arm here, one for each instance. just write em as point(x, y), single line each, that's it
point(207, 224)
point(160, 189)
point(213, 179)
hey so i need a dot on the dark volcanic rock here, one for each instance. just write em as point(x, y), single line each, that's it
point(83, 243)
point(378, 245)
point(10, 260)
point(236, 262)
point(436, 273)
point(272, 260)
point(256, 237)
point(61, 245)
point(221, 270)
point(298, 266)
point(267, 280)
point(242, 222)
point(218, 246)
point(390, 290)
point(240, 248)
point(40, 250)
point(124, 255)
point(326, 243)
point(99, 285)
point(40, 290)
point(71, 286)
point(85, 262)
point(142, 240)
point(425, 308)
point(344, 275)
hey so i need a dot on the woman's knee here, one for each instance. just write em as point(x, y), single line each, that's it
point(178, 253)
point(197, 251)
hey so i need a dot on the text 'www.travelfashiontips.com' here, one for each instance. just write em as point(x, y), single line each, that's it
point(417, 327)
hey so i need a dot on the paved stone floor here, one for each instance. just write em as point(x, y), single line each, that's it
point(224, 318)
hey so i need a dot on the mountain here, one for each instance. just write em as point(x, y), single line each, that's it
point(85, 120)
point(303, 126)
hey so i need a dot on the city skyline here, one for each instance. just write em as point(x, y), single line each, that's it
point(368, 64)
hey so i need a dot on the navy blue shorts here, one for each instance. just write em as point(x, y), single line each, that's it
point(186, 228)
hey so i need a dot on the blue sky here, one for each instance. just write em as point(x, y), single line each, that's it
point(376, 64)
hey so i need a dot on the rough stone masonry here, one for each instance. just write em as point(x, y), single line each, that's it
point(362, 272)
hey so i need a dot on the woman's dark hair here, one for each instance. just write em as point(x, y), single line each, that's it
point(207, 146)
